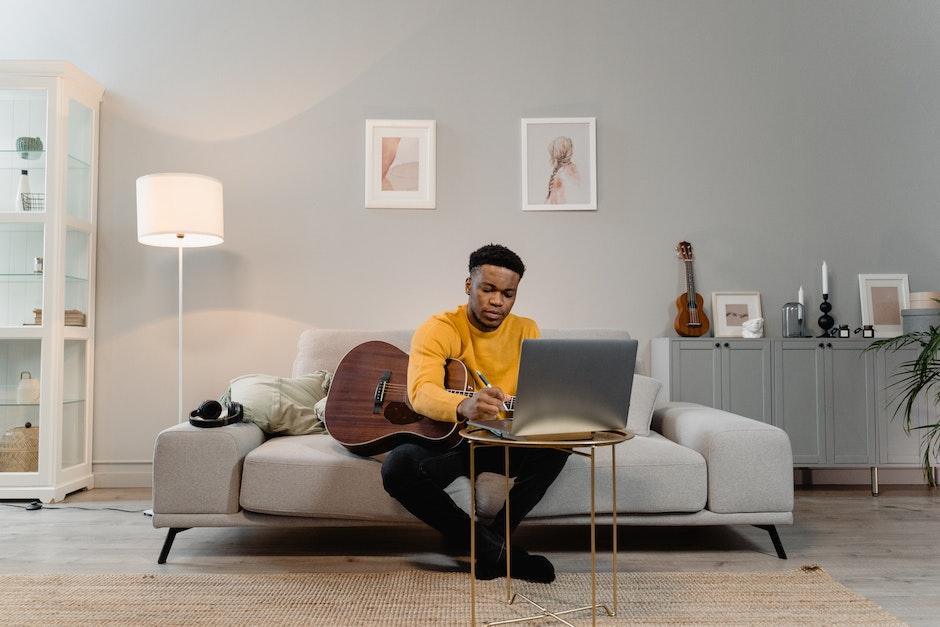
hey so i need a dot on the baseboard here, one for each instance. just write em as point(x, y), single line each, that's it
point(123, 474)
point(855, 476)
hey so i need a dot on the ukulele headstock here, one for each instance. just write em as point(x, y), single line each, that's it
point(684, 251)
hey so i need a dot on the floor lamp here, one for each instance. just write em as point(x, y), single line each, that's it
point(179, 211)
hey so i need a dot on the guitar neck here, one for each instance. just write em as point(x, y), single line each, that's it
point(690, 292)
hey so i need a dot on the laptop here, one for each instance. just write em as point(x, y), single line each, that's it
point(569, 387)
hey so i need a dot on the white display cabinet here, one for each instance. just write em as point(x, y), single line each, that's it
point(49, 130)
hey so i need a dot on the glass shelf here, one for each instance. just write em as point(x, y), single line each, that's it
point(36, 275)
point(38, 162)
point(15, 404)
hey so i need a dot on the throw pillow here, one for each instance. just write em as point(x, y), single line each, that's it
point(281, 406)
point(642, 400)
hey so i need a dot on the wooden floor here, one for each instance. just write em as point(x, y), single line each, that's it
point(885, 548)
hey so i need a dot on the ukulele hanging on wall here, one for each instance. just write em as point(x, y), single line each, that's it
point(691, 320)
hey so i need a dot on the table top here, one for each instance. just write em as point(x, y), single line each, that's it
point(599, 438)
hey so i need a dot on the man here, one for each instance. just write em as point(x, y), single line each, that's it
point(485, 336)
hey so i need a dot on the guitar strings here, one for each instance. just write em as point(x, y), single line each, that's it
point(398, 387)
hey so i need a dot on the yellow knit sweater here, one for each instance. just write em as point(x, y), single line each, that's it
point(449, 335)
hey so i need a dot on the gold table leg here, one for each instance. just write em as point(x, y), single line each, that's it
point(473, 540)
point(613, 511)
point(508, 545)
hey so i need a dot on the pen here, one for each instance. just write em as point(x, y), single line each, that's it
point(487, 384)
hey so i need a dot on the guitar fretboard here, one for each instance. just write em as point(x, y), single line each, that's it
point(690, 292)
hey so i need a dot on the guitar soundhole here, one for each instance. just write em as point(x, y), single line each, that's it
point(399, 413)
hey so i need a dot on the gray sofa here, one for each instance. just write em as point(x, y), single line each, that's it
point(698, 466)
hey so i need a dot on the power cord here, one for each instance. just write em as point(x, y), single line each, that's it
point(36, 505)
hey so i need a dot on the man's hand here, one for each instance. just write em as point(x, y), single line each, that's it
point(486, 403)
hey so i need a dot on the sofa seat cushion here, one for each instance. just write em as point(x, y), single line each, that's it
point(654, 475)
point(313, 475)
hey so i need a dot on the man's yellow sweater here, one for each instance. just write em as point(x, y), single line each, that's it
point(449, 335)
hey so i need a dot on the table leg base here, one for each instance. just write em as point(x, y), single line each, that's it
point(546, 613)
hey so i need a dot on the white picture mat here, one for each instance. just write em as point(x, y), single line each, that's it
point(720, 302)
point(425, 132)
point(898, 282)
point(537, 133)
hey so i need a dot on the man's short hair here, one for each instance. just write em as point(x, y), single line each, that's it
point(497, 255)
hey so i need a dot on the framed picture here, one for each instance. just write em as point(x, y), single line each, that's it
point(883, 297)
point(400, 168)
point(731, 309)
point(559, 164)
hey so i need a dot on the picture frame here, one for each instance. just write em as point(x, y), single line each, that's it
point(882, 298)
point(559, 164)
point(400, 166)
point(731, 309)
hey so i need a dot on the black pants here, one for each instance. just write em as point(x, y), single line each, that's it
point(416, 476)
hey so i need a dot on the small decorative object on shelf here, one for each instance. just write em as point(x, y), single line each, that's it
point(22, 187)
point(74, 318)
point(27, 391)
point(753, 328)
point(29, 147)
point(867, 331)
point(33, 202)
point(19, 449)
point(844, 331)
point(825, 321)
point(37, 316)
point(37, 265)
point(793, 316)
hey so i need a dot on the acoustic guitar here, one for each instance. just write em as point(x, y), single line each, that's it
point(691, 320)
point(368, 412)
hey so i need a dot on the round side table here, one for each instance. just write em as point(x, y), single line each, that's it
point(482, 438)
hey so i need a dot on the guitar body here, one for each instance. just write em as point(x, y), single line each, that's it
point(683, 316)
point(367, 410)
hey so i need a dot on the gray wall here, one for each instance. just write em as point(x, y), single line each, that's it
point(771, 135)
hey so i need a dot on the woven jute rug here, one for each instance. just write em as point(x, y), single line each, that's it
point(807, 596)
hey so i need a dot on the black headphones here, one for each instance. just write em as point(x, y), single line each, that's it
point(209, 414)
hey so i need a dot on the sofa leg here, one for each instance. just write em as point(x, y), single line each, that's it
point(168, 543)
point(775, 538)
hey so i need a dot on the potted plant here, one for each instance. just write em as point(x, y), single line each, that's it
point(920, 376)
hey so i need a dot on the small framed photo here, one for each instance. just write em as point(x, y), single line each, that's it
point(559, 164)
point(400, 164)
point(731, 309)
point(883, 297)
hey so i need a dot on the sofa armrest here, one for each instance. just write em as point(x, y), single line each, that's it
point(750, 463)
point(199, 471)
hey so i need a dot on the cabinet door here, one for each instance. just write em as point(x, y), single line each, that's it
point(696, 374)
point(799, 398)
point(895, 445)
point(850, 401)
point(746, 378)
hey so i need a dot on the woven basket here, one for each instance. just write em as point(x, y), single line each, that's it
point(19, 449)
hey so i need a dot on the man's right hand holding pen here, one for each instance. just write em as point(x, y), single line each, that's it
point(484, 404)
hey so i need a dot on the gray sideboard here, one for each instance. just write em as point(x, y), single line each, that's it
point(830, 396)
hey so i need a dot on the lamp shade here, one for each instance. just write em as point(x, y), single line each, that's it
point(179, 210)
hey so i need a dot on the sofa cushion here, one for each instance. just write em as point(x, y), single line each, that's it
point(281, 406)
point(313, 475)
point(642, 402)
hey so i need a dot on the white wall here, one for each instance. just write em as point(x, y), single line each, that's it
point(771, 135)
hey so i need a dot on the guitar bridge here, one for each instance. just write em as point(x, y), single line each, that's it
point(380, 391)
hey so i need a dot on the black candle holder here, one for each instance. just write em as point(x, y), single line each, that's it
point(825, 321)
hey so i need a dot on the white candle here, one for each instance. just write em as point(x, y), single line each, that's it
point(799, 296)
point(825, 278)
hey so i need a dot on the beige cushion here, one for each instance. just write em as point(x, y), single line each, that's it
point(642, 401)
point(281, 406)
point(315, 476)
